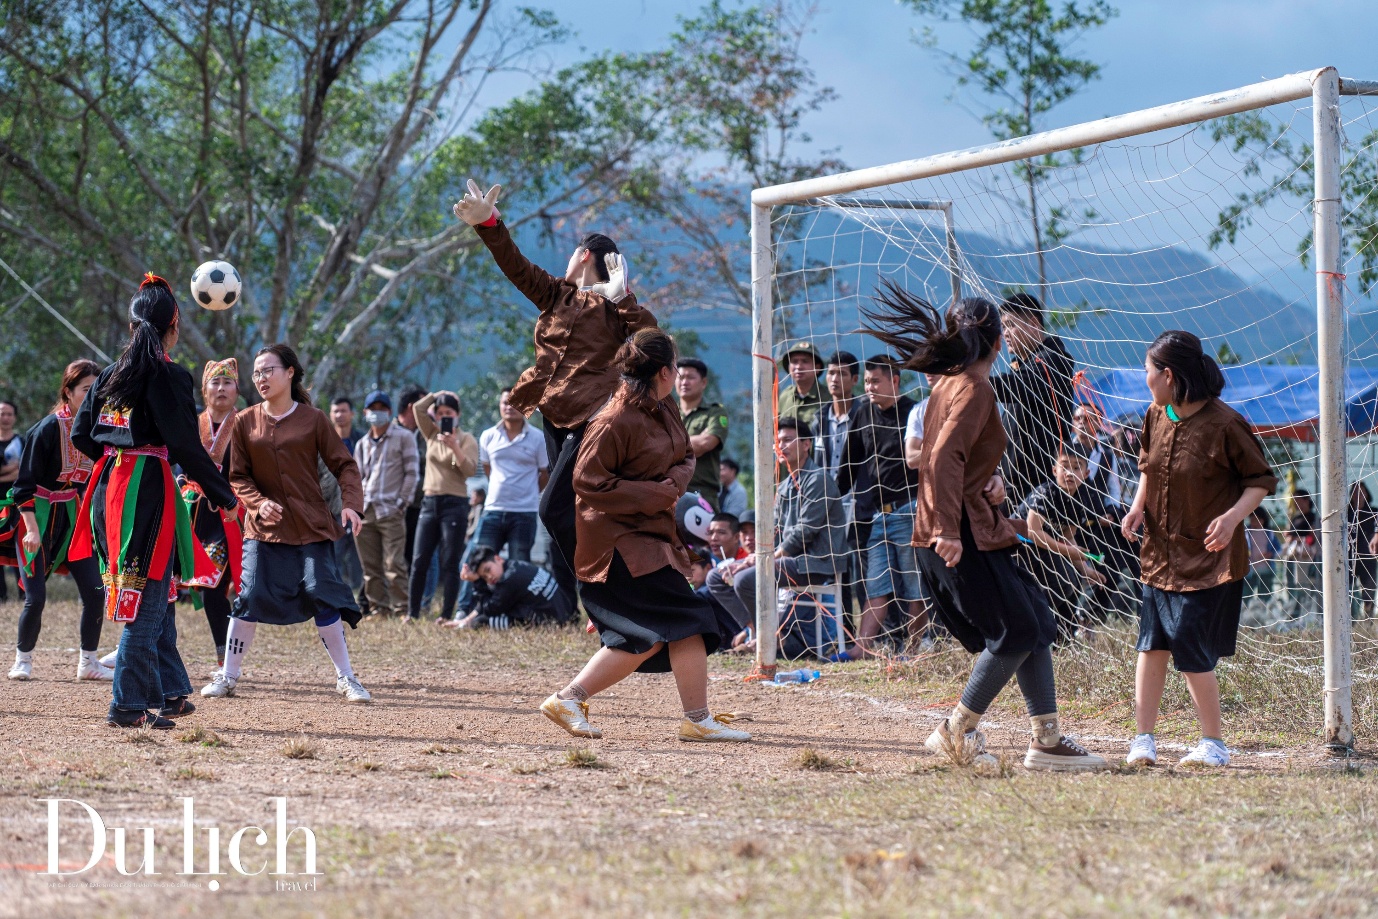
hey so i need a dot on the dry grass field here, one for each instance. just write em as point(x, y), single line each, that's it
point(451, 796)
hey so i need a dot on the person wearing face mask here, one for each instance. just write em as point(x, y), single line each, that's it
point(218, 561)
point(386, 456)
point(277, 448)
point(584, 319)
point(633, 467)
point(52, 477)
point(451, 457)
point(136, 421)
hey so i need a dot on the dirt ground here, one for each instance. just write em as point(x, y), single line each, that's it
point(451, 795)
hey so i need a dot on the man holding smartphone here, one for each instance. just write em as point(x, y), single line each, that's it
point(451, 458)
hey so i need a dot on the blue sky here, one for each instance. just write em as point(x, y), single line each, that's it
point(894, 96)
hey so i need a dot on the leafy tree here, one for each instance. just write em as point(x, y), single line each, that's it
point(1020, 61)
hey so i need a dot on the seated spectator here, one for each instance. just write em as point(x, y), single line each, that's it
point(724, 539)
point(811, 527)
point(732, 495)
point(1062, 515)
point(1302, 551)
point(746, 531)
point(512, 591)
point(731, 635)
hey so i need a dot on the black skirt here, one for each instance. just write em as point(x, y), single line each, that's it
point(633, 614)
point(284, 585)
point(988, 602)
point(1198, 626)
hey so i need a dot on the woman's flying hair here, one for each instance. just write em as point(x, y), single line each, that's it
point(927, 340)
point(152, 312)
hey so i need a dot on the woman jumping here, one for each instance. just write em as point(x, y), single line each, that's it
point(633, 466)
point(138, 418)
point(965, 545)
point(52, 477)
point(289, 548)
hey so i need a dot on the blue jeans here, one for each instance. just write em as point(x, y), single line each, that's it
point(515, 529)
point(148, 669)
point(891, 569)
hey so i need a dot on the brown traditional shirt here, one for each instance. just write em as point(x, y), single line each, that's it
point(1195, 470)
point(634, 464)
point(274, 459)
point(446, 472)
point(577, 335)
point(962, 447)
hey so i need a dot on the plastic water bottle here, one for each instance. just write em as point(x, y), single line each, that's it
point(797, 676)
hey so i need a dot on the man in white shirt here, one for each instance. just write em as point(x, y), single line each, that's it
point(514, 458)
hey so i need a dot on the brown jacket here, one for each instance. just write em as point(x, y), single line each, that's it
point(962, 447)
point(634, 464)
point(1195, 470)
point(276, 461)
point(577, 335)
point(446, 472)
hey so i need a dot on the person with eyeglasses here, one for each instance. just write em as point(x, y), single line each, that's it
point(289, 576)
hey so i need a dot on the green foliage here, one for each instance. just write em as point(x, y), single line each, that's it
point(1019, 60)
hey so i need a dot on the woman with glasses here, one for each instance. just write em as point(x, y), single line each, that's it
point(276, 450)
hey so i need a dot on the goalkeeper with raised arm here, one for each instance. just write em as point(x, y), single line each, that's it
point(585, 317)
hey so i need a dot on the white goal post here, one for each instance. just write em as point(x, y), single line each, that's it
point(1324, 87)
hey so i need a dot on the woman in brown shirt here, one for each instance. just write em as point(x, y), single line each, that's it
point(965, 545)
point(633, 466)
point(1202, 472)
point(451, 457)
point(289, 572)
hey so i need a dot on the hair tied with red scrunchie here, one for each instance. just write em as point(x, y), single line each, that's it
point(151, 279)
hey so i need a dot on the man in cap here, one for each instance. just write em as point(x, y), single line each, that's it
point(802, 398)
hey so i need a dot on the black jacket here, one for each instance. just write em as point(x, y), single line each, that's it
point(1037, 395)
point(873, 466)
point(164, 415)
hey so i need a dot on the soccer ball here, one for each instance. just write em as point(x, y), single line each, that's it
point(215, 285)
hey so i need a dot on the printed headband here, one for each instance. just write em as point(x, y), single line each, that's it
point(229, 367)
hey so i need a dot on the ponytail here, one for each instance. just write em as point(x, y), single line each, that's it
point(152, 313)
point(1196, 376)
point(928, 341)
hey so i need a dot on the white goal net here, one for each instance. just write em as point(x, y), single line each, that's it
point(1248, 218)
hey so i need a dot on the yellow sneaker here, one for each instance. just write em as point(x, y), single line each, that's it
point(713, 729)
point(571, 715)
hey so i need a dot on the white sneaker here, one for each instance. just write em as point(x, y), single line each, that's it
point(352, 689)
point(1209, 753)
point(1143, 751)
point(220, 687)
point(938, 743)
point(571, 715)
point(89, 668)
point(109, 659)
point(22, 669)
point(713, 729)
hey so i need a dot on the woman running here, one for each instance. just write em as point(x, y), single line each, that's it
point(139, 415)
point(52, 476)
point(965, 545)
point(1202, 473)
point(218, 562)
point(289, 573)
point(633, 466)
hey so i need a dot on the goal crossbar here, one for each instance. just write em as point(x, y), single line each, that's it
point(1324, 87)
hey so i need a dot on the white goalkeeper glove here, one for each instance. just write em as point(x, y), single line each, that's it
point(476, 207)
point(618, 284)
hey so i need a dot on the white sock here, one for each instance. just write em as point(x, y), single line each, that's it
point(333, 637)
point(92, 658)
point(22, 657)
point(237, 645)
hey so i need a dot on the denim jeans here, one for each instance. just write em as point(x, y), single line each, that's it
point(442, 522)
point(514, 529)
point(891, 570)
point(148, 669)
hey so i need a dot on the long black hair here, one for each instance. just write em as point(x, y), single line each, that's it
point(929, 341)
point(598, 246)
point(1195, 374)
point(152, 312)
point(284, 353)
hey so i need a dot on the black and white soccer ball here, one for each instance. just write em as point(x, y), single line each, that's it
point(215, 286)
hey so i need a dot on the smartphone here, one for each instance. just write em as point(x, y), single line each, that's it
point(447, 425)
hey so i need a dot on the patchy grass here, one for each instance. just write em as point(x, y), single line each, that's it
point(203, 736)
point(193, 774)
point(302, 747)
point(583, 758)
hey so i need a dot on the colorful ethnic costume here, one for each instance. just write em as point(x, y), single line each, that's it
point(137, 527)
point(52, 478)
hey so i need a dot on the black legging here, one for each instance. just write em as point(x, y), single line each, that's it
point(557, 502)
point(216, 602)
point(86, 574)
point(442, 523)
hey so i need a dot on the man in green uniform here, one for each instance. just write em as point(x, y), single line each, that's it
point(707, 427)
point(802, 398)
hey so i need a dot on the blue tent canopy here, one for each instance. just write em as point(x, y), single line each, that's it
point(1279, 401)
